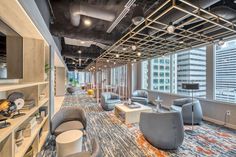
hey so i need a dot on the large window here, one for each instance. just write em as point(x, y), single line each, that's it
point(191, 68)
point(145, 75)
point(225, 89)
point(160, 74)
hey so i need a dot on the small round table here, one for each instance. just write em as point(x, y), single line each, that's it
point(69, 142)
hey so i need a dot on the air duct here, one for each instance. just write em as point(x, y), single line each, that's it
point(76, 10)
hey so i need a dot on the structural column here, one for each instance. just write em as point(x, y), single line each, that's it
point(210, 72)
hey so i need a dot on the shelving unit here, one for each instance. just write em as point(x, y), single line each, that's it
point(33, 86)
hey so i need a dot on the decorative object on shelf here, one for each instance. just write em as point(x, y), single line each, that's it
point(29, 128)
point(18, 99)
point(6, 110)
point(46, 70)
point(192, 87)
point(39, 119)
point(28, 104)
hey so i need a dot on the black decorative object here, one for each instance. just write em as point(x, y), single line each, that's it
point(191, 86)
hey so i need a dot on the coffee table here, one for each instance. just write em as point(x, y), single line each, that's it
point(69, 142)
point(130, 115)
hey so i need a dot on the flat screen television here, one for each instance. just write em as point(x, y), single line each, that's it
point(11, 53)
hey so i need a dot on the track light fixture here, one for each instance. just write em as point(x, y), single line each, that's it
point(221, 42)
point(171, 28)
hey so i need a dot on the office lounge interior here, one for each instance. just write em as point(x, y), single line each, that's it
point(117, 78)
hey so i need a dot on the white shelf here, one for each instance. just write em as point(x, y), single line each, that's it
point(7, 87)
point(28, 141)
point(15, 123)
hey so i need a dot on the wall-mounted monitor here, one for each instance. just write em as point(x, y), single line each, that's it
point(11, 53)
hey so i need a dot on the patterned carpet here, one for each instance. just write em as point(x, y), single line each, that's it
point(119, 140)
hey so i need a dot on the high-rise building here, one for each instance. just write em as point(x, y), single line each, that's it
point(191, 67)
point(226, 72)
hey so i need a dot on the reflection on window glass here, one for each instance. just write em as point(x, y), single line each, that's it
point(225, 72)
point(145, 74)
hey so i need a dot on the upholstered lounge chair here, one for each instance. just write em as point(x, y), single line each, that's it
point(140, 96)
point(68, 118)
point(71, 89)
point(162, 130)
point(184, 106)
point(109, 100)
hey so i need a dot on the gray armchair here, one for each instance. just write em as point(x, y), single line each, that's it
point(109, 100)
point(140, 96)
point(184, 106)
point(96, 151)
point(68, 118)
point(71, 89)
point(162, 130)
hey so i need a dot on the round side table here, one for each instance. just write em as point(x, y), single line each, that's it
point(69, 142)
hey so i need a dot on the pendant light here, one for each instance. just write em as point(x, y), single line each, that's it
point(171, 28)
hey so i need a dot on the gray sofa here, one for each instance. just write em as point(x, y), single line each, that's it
point(68, 118)
point(96, 151)
point(162, 130)
point(109, 100)
point(140, 96)
point(184, 106)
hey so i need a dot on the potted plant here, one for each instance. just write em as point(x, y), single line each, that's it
point(46, 70)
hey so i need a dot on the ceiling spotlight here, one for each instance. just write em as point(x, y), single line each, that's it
point(139, 53)
point(221, 42)
point(117, 55)
point(82, 42)
point(235, 1)
point(73, 62)
point(105, 66)
point(124, 48)
point(114, 63)
point(133, 47)
point(134, 60)
point(171, 28)
point(79, 52)
point(108, 61)
point(87, 22)
point(138, 15)
point(181, 42)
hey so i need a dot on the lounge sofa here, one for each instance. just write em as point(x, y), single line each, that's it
point(109, 100)
point(68, 118)
point(184, 106)
point(162, 130)
point(140, 96)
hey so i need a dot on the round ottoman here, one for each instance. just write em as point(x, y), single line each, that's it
point(69, 142)
point(90, 92)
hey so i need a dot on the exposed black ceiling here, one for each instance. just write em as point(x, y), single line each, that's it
point(61, 26)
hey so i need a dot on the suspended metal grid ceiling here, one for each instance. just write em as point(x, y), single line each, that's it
point(152, 39)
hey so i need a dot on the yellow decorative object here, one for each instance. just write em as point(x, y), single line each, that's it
point(90, 92)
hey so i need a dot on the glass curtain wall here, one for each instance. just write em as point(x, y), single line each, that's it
point(225, 71)
point(144, 72)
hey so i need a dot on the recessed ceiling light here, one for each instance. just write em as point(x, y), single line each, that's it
point(171, 28)
point(133, 47)
point(117, 55)
point(87, 22)
point(139, 53)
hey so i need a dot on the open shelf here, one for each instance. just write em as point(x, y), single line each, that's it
point(29, 140)
point(15, 123)
point(7, 87)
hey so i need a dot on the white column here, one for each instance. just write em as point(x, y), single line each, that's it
point(210, 72)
